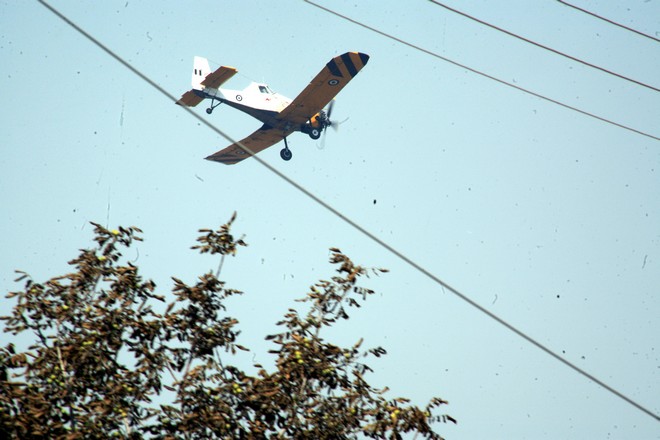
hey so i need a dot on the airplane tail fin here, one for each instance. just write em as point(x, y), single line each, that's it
point(203, 78)
point(200, 70)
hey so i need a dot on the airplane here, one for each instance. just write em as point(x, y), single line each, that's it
point(280, 115)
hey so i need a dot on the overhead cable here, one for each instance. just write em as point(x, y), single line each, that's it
point(555, 51)
point(478, 72)
point(610, 21)
point(350, 222)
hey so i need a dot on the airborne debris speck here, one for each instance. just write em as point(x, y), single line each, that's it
point(121, 115)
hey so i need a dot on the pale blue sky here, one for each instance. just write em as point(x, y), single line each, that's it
point(547, 217)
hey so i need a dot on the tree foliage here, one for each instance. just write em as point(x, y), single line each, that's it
point(105, 364)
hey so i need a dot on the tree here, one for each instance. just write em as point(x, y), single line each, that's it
point(105, 364)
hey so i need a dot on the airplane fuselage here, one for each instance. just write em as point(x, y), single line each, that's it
point(258, 101)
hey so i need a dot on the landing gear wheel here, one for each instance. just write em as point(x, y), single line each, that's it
point(315, 133)
point(286, 154)
point(209, 110)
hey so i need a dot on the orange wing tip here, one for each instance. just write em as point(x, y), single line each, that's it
point(223, 159)
point(363, 57)
point(347, 65)
point(229, 156)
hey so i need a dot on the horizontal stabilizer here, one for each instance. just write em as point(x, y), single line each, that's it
point(220, 76)
point(190, 99)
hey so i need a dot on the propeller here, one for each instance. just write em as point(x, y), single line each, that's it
point(329, 123)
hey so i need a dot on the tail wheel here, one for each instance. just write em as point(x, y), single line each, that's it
point(213, 105)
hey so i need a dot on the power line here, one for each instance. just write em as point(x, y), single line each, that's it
point(346, 219)
point(610, 21)
point(478, 72)
point(555, 51)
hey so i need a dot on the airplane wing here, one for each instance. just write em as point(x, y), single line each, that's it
point(256, 142)
point(325, 86)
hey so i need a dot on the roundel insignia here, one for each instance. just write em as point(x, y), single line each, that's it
point(333, 82)
point(239, 98)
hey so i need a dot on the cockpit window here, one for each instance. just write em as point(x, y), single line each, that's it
point(264, 89)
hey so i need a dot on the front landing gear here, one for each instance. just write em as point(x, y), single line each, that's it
point(285, 153)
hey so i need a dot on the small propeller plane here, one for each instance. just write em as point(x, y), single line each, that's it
point(280, 115)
